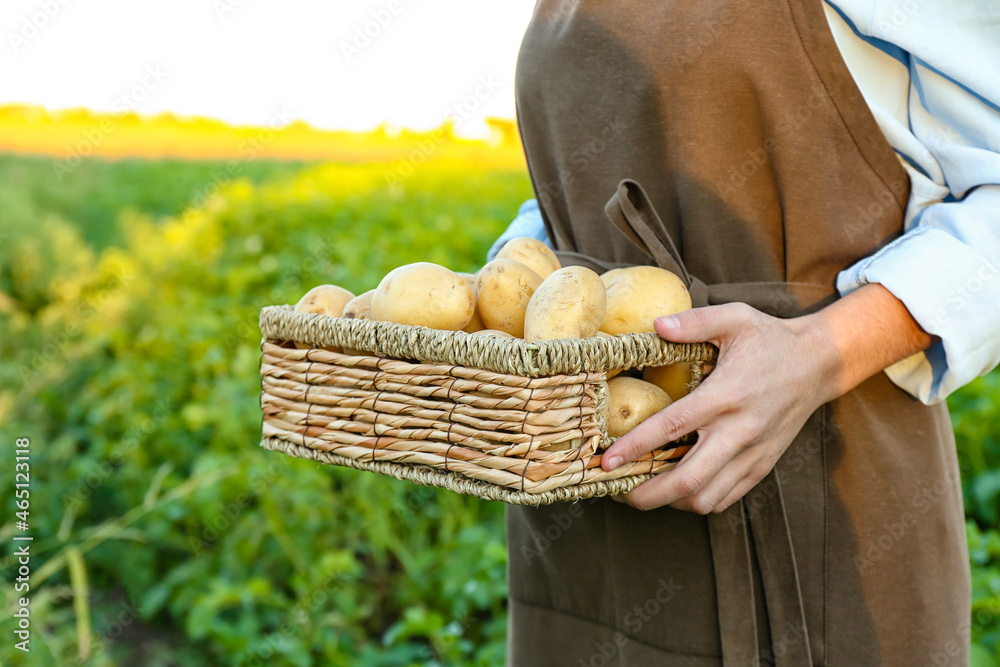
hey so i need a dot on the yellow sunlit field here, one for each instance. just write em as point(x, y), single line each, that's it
point(74, 134)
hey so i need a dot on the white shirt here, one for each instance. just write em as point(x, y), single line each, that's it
point(930, 72)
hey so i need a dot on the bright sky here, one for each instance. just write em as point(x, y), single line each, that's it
point(347, 64)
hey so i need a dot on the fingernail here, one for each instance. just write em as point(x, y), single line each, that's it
point(614, 462)
point(670, 322)
point(618, 499)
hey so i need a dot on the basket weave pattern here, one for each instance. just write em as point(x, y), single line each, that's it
point(498, 418)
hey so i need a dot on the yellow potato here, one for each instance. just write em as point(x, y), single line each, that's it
point(324, 300)
point(632, 402)
point(469, 278)
point(492, 333)
point(570, 303)
point(504, 289)
point(424, 294)
point(638, 295)
point(609, 276)
point(673, 379)
point(532, 253)
point(476, 323)
point(360, 307)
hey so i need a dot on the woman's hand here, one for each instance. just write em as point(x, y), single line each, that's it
point(770, 376)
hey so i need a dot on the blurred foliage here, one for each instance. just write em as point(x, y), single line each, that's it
point(131, 349)
point(129, 296)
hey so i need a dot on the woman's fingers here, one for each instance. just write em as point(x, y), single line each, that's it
point(678, 419)
point(701, 480)
point(718, 489)
point(742, 488)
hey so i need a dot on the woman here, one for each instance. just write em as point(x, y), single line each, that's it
point(818, 521)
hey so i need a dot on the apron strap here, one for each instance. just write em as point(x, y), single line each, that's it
point(780, 575)
point(727, 534)
point(633, 214)
point(734, 584)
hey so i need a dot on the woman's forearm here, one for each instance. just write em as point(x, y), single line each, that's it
point(864, 333)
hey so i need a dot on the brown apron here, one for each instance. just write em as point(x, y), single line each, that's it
point(735, 149)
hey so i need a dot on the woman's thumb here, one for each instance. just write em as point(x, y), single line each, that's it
point(698, 325)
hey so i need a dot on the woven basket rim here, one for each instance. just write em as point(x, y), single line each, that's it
point(513, 356)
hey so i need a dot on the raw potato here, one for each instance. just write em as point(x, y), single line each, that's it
point(324, 300)
point(476, 323)
point(360, 307)
point(570, 303)
point(532, 253)
point(424, 294)
point(609, 276)
point(637, 295)
point(673, 379)
point(504, 289)
point(632, 402)
point(492, 333)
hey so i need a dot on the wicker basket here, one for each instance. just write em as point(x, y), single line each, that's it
point(498, 418)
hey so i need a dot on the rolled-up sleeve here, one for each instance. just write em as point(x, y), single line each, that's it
point(950, 283)
point(946, 266)
point(527, 222)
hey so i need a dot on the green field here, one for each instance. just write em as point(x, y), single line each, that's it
point(129, 295)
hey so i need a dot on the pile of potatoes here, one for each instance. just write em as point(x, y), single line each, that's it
point(526, 293)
